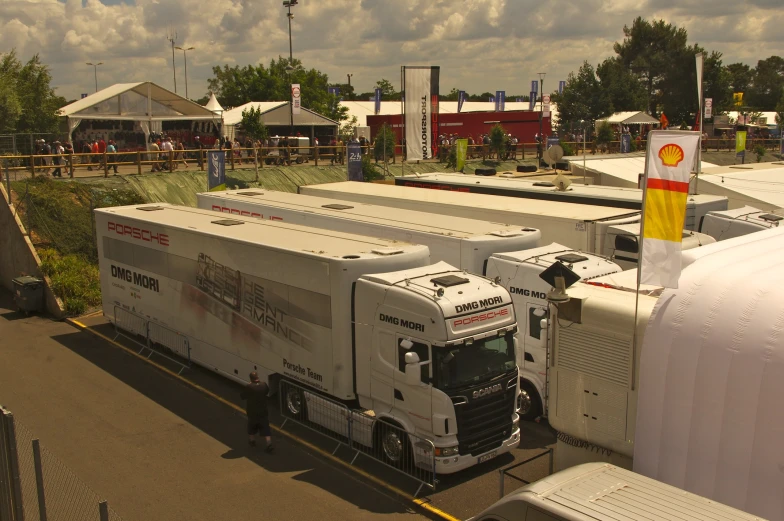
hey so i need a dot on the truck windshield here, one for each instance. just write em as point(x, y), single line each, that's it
point(458, 366)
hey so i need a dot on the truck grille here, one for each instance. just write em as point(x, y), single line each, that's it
point(483, 424)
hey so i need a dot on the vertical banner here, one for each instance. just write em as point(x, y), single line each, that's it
point(335, 91)
point(532, 100)
point(295, 98)
point(461, 152)
point(698, 57)
point(377, 100)
point(669, 161)
point(461, 96)
point(500, 100)
point(421, 112)
point(354, 162)
point(626, 143)
point(708, 108)
point(561, 86)
point(546, 104)
point(216, 170)
point(535, 87)
point(492, 100)
point(740, 145)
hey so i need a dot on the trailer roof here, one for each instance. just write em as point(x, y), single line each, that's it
point(425, 222)
point(275, 234)
point(759, 185)
point(605, 491)
point(388, 194)
point(532, 184)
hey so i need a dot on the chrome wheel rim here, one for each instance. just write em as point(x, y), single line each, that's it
point(294, 401)
point(525, 403)
point(393, 446)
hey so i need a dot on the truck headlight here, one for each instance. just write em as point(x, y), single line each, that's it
point(445, 452)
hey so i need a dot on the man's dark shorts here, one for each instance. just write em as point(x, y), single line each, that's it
point(259, 425)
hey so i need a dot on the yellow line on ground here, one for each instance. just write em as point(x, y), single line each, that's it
point(424, 504)
point(88, 315)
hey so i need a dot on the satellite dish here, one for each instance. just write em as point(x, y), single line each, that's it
point(559, 277)
point(553, 154)
point(546, 157)
point(561, 183)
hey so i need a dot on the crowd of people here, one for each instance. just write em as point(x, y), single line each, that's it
point(479, 147)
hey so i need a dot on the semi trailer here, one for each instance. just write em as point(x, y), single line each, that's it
point(463, 243)
point(681, 385)
point(723, 225)
point(580, 227)
point(697, 205)
point(352, 322)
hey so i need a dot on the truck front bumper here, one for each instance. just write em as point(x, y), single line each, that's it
point(452, 464)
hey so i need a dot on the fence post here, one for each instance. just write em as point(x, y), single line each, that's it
point(32, 164)
point(39, 480)
point(139, 162)
point(261, 156)
point(105, 165)
point(103, 509)
point(13, 461)
point(8, 182)
point(500, 483)
point(231, 157)
point(315, 154)
point(171, 161)
point(70, 165)
point(256, 162)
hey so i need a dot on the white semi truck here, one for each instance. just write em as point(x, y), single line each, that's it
point(476, 246)
point(357, 320)
point(697, 205)
point(623, 243)
point(463, 243)
point(737, 222)
point(686, 386)
point(580, 227)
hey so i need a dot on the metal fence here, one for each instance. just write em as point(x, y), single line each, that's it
point(151, 336)
point(23, 144)
point(361, 432)
point(36, 486)
point(505, 472)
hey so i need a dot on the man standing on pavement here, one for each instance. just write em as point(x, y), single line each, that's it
point(255, 394)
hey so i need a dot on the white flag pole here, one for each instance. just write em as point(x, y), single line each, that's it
point(699, 116)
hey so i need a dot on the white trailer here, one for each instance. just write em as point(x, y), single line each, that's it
point(577, 226)
point(359, 320)
point(623, 243)
point(519, 273)
point(602, 492)
point(690, 392)
point(697, 205)
point(464, 243)
point(740, 221)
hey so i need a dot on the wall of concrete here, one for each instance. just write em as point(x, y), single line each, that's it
point(18, 256)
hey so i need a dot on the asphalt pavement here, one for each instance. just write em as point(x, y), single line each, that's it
point(160, 447)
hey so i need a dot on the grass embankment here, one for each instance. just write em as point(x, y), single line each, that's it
point(58, 216)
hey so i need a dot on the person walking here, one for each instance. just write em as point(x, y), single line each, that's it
point(111, 155)
point(57, 151)
point(255, 396)
point(198, 147)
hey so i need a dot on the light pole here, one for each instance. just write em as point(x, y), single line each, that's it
point(95, 70)
point(173, 39)
point(541, 113)
point(289, 4)
point(185, 58)
point(349, 79)
point(289, 70)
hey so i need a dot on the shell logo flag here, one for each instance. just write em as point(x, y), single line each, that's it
point(668, 165)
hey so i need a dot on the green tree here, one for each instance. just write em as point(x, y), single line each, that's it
point(10, 106)
point(767, 84)
point(27, 101)
point(387, 89)
point(621, 86)
point(718, 82)
point(604, 134)
point(252, 125)
point(582, 98)
point(498, 139)
point(780, 114)
point(452, 96)
point(347, 128)
point(385, 143)
point(739, 76)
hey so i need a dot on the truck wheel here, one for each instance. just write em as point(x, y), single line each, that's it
point(295, 403)
point(530, 404)
point(392, 444)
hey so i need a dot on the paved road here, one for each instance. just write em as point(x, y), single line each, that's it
point(156, 448)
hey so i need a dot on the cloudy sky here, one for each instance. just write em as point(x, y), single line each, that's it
point(481, 45)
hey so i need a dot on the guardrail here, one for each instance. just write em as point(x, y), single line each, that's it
point(156, 338)
point(361, 432)
point(502, 473)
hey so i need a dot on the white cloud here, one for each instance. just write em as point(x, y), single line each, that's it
point(481, 45)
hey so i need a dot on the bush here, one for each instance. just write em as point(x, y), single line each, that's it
point(604, 135)
point(451, 159)
point(567, 148)
point(760, 151)
point(75, 280)
point(498, 140)
point(369, 170)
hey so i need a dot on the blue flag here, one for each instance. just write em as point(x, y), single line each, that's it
point(461, 96)
point(561, 86)
point(216, 170)
point(500, 100)
point(532, 100)
point(377, 100)
point(535, 86)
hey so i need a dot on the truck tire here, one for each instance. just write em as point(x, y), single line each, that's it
point(392, 445)
point(485, 171)
point(526, 168)
point(530, 402)
point(294, 404)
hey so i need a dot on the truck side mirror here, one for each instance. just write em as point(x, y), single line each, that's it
point(413, 371)
point(627, 243)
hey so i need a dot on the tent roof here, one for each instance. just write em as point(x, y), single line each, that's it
point(213, 104)
point(631, 118)
point(276, 113)
point(128, 101)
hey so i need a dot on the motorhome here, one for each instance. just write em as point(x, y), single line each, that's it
point(354, 323)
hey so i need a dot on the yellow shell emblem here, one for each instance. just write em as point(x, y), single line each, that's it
point(671, 154)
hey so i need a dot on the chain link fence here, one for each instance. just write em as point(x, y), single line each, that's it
point(36, 486)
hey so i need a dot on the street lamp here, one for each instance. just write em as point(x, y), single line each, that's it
point(289, 4)
point(95, 69)
point(541, 113)
point(185, 58)
point(349, 79)
point(289, 70)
